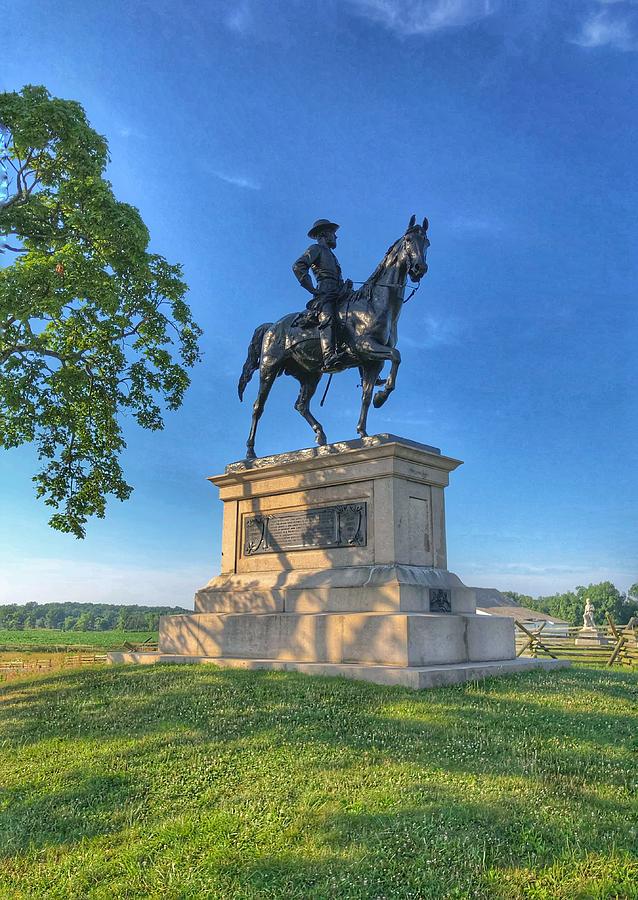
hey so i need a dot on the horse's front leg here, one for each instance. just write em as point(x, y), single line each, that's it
point(369, 375)
point(381, 396)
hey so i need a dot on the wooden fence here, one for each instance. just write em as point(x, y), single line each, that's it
point(53, 659)
point(147, 646)
point(10, 668)
point(608, 645)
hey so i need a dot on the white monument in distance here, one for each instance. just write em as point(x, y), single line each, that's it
point(590, 633)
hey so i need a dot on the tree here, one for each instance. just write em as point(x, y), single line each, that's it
point(92, 325)
point(562, 606)
point(606, 599)
point(571, 605)
point(54, 616)
point(521, 599)
point(84, 622)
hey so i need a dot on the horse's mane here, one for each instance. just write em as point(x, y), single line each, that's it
point(365, 291)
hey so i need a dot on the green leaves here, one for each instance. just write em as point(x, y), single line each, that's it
point(92, 325)
point(570, 605)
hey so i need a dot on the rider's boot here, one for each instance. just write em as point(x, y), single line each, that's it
point(330, 356)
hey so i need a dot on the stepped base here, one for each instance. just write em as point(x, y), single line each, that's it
point(334, 562)
point(416, 677)
point(374, 588)
point(387, 639)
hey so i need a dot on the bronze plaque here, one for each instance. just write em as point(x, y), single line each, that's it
point(307, 529)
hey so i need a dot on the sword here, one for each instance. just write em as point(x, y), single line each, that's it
point(326, 390)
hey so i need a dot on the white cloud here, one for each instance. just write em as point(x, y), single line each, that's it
point(607, 28)
point(422, 17)
point(237, 180)
point(476, 224)
point(240, 18)
point(56, 580)
point(126, 131)
point(433, 332)
point(603, 23)
point(406, 421)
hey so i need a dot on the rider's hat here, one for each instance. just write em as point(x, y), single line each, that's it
point(322, 225)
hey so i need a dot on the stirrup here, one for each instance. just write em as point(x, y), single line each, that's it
point(332, 362)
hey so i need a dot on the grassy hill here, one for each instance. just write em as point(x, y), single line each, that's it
point(194, 782)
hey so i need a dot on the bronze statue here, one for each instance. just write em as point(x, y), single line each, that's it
point(330, 290)
point(367, 320)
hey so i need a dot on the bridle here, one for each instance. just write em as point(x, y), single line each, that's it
point(387, 263)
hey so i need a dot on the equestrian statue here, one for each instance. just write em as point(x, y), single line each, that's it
point(341, 329)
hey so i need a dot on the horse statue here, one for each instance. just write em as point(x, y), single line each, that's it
point(368, 320)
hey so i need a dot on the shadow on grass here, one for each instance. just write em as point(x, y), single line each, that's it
point(86, 805)
point(481, 850)
point(417, 794)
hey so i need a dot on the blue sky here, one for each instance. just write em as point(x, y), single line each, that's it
point(232, 126)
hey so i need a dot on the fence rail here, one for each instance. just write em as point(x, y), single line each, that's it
point(146, 646)
point(13, 667)
point(606, 645)
point(66, 657)
point(81, 660)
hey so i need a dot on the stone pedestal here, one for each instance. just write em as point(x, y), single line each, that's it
point(590, 637)
point(334, 561)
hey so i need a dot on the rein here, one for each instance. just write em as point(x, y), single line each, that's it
point(412, 293)
point(374, 284)
point(396, 286)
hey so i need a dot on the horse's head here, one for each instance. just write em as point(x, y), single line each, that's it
point(414, 248)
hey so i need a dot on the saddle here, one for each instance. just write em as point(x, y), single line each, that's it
point(309, 318)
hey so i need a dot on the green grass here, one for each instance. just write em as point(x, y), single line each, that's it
point(42, 639)
point(194, 782)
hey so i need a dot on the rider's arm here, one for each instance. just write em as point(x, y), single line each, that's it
point(301, 268)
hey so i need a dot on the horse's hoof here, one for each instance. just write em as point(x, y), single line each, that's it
point(362, 433)
point(250, 453)
point(320, 439)
point(379, 399)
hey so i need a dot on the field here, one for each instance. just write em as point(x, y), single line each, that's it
point(50, 639)
point(195, 782)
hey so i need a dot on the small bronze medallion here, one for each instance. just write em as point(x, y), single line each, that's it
point(440, 601)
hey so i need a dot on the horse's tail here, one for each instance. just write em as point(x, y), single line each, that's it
point(252, 360)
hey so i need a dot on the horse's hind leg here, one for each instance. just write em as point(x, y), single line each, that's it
point(308, 387)
point(266, 380)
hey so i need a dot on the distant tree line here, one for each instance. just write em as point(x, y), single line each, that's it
point(84, 616)
point(571, 605)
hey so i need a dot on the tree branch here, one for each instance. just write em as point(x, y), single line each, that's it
point(15, 199)
point(40, 351)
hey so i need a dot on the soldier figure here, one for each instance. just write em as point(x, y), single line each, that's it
point(330, 284)
point(588, 617)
